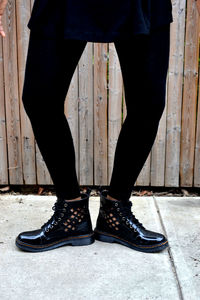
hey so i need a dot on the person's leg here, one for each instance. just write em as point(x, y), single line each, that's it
point(49, 69)
point(144, 64)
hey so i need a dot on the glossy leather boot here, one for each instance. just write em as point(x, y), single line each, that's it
point(69, 225)
point(116, 223)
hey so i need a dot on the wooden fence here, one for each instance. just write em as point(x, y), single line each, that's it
point(94, 108)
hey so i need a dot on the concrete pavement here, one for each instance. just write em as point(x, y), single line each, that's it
point(102, 271)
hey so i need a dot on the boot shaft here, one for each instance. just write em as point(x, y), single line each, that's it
point(110, 215)
point(71, 216)
point(117, 223)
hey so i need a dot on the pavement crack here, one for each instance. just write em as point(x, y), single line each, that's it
point(171, 259)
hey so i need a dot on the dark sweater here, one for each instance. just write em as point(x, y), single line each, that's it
point(99, 20)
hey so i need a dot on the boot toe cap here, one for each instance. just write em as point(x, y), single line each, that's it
point(158, 237)
point(29, 237)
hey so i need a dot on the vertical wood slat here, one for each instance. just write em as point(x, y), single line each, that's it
point(196, 182)
point(86, 100)
point(144, 176)
point(3, 138)
point(158, 150)
point(189, 95)
point(42, 173)
point(100, 114)
point(12, 96)
point(71, 113)
point(114, 106)
point(23, 8)
point(174, 104)
point(124, 104)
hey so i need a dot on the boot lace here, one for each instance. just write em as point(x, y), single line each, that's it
point(58, 209)
point(126, 211)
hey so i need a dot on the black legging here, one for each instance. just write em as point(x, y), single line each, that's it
point(49, 69)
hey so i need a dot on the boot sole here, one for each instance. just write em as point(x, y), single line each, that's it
point(105, 237)
point(81, 240)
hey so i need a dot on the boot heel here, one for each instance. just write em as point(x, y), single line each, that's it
point(83, 241)
point(103, 238)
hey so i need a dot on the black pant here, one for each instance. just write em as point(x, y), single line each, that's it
point(49, 69)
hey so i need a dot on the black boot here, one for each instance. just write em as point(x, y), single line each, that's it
point(116, 223)
point(69, 225)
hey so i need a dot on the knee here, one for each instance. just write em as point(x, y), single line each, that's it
point(149, 102)
point(39, 102)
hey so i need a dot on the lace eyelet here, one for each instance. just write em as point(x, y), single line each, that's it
point(59, 219)
point(127, 222)
point(123, 218)
point(61, 214)
point(131, 226)
point(65, 205)
point(51, 226)
point(56, 223)
point(135, 230)
point(120, 214)
point(47, 230)
point(118, 209)
point(64, 209)
point(116, 204)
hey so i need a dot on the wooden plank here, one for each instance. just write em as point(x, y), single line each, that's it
point(174, 104)
point(114, 105)
point(197, 142)
point(100, 114)
point(124, 104)
point(189, 95)
point(86, 126)
point(158, 150)
point(28, 143)
point(144, 176)
point(197, 148)
point(42, 173)
point(71, 112)
point(12, 96)
point(3, 138)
